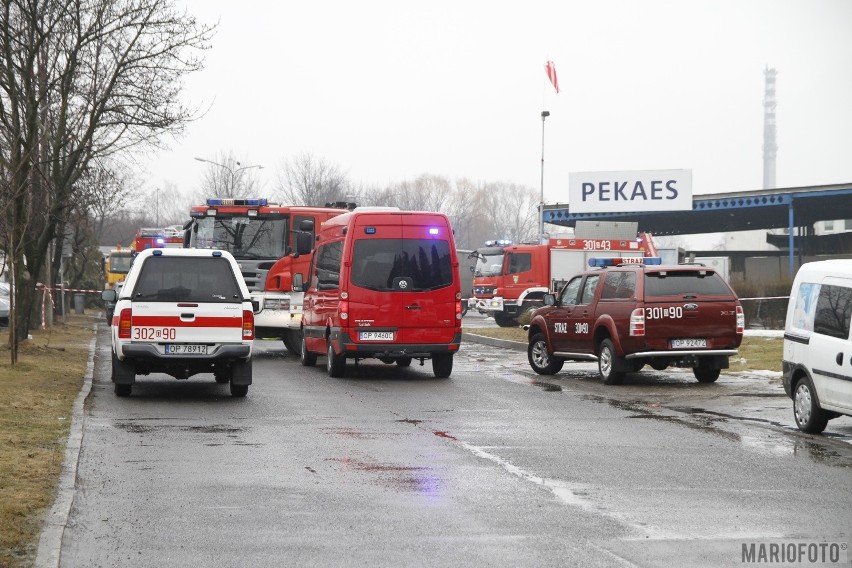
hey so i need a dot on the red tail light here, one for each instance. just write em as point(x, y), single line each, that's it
point(248, 324)
point(459, 311)
point(124, 323)
point(740, 319)
point(344, 308)
point(637, 322)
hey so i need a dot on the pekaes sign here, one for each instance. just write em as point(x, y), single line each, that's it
point(626, 192)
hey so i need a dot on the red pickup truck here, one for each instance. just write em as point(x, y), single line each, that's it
point(632, 312)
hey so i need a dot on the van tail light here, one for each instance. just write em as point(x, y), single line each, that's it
point(459, 310)
point(344, 308)
point(637, 322)
point(124, 323)
point(248, 324)
point(740, 320)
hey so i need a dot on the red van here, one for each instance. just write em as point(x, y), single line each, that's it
point(383, 283)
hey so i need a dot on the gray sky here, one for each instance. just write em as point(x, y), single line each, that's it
point(391, 90)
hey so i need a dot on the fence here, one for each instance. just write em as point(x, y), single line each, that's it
point(765, 313)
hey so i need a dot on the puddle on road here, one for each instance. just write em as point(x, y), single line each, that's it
point(136, 428)
point(547, 387)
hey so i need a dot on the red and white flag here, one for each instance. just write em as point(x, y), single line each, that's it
point(550, 69)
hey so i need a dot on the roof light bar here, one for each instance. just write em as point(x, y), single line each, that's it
point(619, 260)
point(498, 243)
point(250, 201)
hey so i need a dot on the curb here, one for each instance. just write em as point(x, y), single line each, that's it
point(494, 342)
point(50, 540)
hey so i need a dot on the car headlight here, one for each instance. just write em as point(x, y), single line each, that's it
point(276, 304)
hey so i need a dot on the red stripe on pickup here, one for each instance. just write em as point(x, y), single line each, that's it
point(176, 321)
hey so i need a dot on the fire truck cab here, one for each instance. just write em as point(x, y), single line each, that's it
point(260, 236)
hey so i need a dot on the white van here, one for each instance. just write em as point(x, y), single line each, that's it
point(817, 361)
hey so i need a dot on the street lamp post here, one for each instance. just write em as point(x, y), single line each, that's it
point(544, 114)
point(231, 170)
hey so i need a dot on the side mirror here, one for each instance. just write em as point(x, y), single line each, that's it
point(549, 300)
point(109, 295)
point(298, 282)
point(306, 225)
point(303, 243)
point(255, 306)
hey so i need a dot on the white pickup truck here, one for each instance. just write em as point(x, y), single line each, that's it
point(182, 312)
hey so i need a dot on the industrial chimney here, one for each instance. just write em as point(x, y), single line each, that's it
point(770, 145)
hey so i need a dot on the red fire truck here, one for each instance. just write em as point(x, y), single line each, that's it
point(260, 236)
point(148, 237)
point(510, 280)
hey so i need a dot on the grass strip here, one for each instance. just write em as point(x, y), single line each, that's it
point(38, 394)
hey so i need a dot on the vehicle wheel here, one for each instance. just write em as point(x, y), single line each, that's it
point(607, 360)
point(122, 371)
point(659, 365)
point(241, 372)
point(503, 320)
point(706, 375)
point(403, 361)
point(335, 364)
point(809, 416)
point(239, 391)
point(293, 341)
point(123, 389)
point(307, 358)
point(540, 360)
point(442, 365)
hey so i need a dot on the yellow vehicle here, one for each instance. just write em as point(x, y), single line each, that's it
point(117, 265)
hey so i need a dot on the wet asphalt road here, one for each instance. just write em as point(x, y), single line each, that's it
point(495, 466)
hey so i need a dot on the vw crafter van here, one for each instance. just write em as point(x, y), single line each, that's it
point(383, 284)
point(817, 362)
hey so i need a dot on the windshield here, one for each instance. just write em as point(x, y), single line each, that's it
point(679, 283)
point(379, 264)
point(119, 262)
point(489, 265)
point(244, 237)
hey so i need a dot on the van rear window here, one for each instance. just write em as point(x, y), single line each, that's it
point(182, 279)
point(377, 263)
point(677, 283)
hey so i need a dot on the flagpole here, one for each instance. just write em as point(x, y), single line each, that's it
point(544, 114)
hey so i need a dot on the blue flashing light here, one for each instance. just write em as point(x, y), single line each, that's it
point(498, 243)
point(433, 231)
point(157, 252)
point(619, 261)
point(161, 241)
point(251, 201)
point(217, 253)
point(370, 230)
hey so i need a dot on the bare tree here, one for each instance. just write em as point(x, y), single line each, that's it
point(512, 211)
point(80, 79)
point(104, 187)
point(227, 177)
point(306, 180)
point(425, 193)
